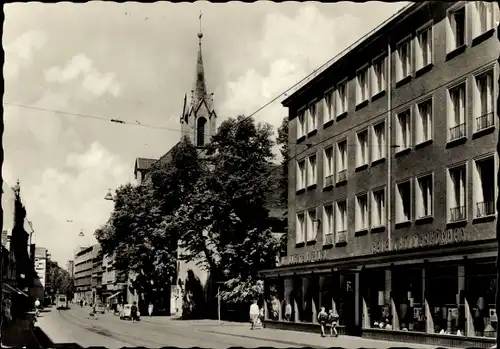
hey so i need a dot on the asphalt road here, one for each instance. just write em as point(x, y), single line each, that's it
point(107, 330)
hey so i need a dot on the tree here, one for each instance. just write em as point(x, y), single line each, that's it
point(223, 219)
point(134, 236)
point(58, 281)
point(282, 141)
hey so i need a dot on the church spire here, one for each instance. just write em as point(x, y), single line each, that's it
point(200, 87)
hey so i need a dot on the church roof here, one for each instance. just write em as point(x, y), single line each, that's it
point(200, 93)
point(142, 164)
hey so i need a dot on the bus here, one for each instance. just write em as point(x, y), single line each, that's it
point(62, 302)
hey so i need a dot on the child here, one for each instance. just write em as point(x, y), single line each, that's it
point(333, 320)
point(322, 318)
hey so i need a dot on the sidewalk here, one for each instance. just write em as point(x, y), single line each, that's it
point(305, 339)
point(175, 320)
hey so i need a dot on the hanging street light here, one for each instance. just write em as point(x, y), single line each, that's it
point(109, 196)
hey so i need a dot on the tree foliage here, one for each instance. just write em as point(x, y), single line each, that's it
point(223, 220)
point(282, 141)
point(58, 280)
point(138, 234)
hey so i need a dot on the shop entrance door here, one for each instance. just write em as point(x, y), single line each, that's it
point(348, 303)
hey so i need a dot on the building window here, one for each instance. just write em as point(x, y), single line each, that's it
point(301, 174)
point(456, 20)
point(301, 228)
point(361, 216)
point(342, 160)
point(362, 85)
point(311, 225)
point(423, 126)
point(341, 217)
point(328, 224)
point(403, 202)
point(378, 208)
point(379, 141)
point(485, 12)
point(403, 129)
point(403, 66)
point(328, 166)
point(456, 195)
point(424, 196)
point(311, 170)
point(329, 107)
point(201, 132)
point(484, 186)
point(424, 47)
point(484, 101)
point(362, 148)
point(378, 75)
point(301, 124)
point(341, 100)
point(312, 118)
point(456, 112)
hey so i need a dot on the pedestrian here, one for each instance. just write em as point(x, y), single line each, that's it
point(150, 309)
point(37, 306)
point(254, 313)
point(333, 319)
point(322, 318)
point(133, 312)
point(288, 311)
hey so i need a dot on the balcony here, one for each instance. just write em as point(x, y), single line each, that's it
point(342, 176)
point(484, 121)
point(457, 214)
point(457, 132)
point(485, 208)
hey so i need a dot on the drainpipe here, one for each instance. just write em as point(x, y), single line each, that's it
point(389, 145)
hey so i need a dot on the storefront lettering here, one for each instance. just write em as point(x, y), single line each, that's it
point(437, 237)
point(304, 258)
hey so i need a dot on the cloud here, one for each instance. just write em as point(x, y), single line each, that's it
point(19, 53)
point(92, 80)
point(74, 192)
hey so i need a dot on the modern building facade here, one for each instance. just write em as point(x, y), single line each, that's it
point(84, 266)
point(41, 257)
point(392, 183)
point(71, 268)
point(114, 290)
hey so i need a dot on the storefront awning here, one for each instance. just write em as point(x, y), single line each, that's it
point(10, 289)
point(113, 296)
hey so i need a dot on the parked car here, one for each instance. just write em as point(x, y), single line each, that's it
point(125, 313)
point(99, 308)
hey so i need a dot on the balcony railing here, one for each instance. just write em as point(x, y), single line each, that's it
point(457, 132)
point(457, 214)
point(329, 239)
point(484, 121)
point(328, 180)
point(485, 208)
point(341, 237)
point(342, 175)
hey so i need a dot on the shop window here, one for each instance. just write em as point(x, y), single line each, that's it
point(327, 287)
point(306, 303)
point(407, 292)
point(376, 300)
point(444, 298)
point(274, 296)
point(481, 287)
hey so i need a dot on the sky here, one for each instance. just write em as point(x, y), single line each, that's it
point(69, 65)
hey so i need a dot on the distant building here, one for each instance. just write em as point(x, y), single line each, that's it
point(84, 263)
point(41, 264)
point(114, 290)
point(71, 268)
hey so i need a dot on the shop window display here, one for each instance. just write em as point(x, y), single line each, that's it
point(273, 296)
point(481, 287)
point(379, 310)
point(445, 300)
point(307, 300)
point(327, 293)
point(297, 299)
point(407, 292)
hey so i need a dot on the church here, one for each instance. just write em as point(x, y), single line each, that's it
point(199, 122)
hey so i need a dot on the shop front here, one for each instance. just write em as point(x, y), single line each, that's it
point(443, 295)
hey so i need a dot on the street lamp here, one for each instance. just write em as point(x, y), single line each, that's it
point(109, 196)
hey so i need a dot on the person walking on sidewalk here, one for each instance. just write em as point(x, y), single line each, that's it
point(333, 319)
point(254, 313)
point(322, 318)
point(133, 312)
point(150, 309)
point(288, 311)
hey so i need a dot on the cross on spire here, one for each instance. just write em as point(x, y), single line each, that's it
point(200, 34)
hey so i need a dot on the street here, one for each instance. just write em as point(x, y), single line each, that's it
point(74, 326)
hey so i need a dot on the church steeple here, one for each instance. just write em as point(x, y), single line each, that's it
point(199, 118)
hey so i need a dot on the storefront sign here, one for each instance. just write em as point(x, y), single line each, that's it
point(434, 238)
point(304, 258)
